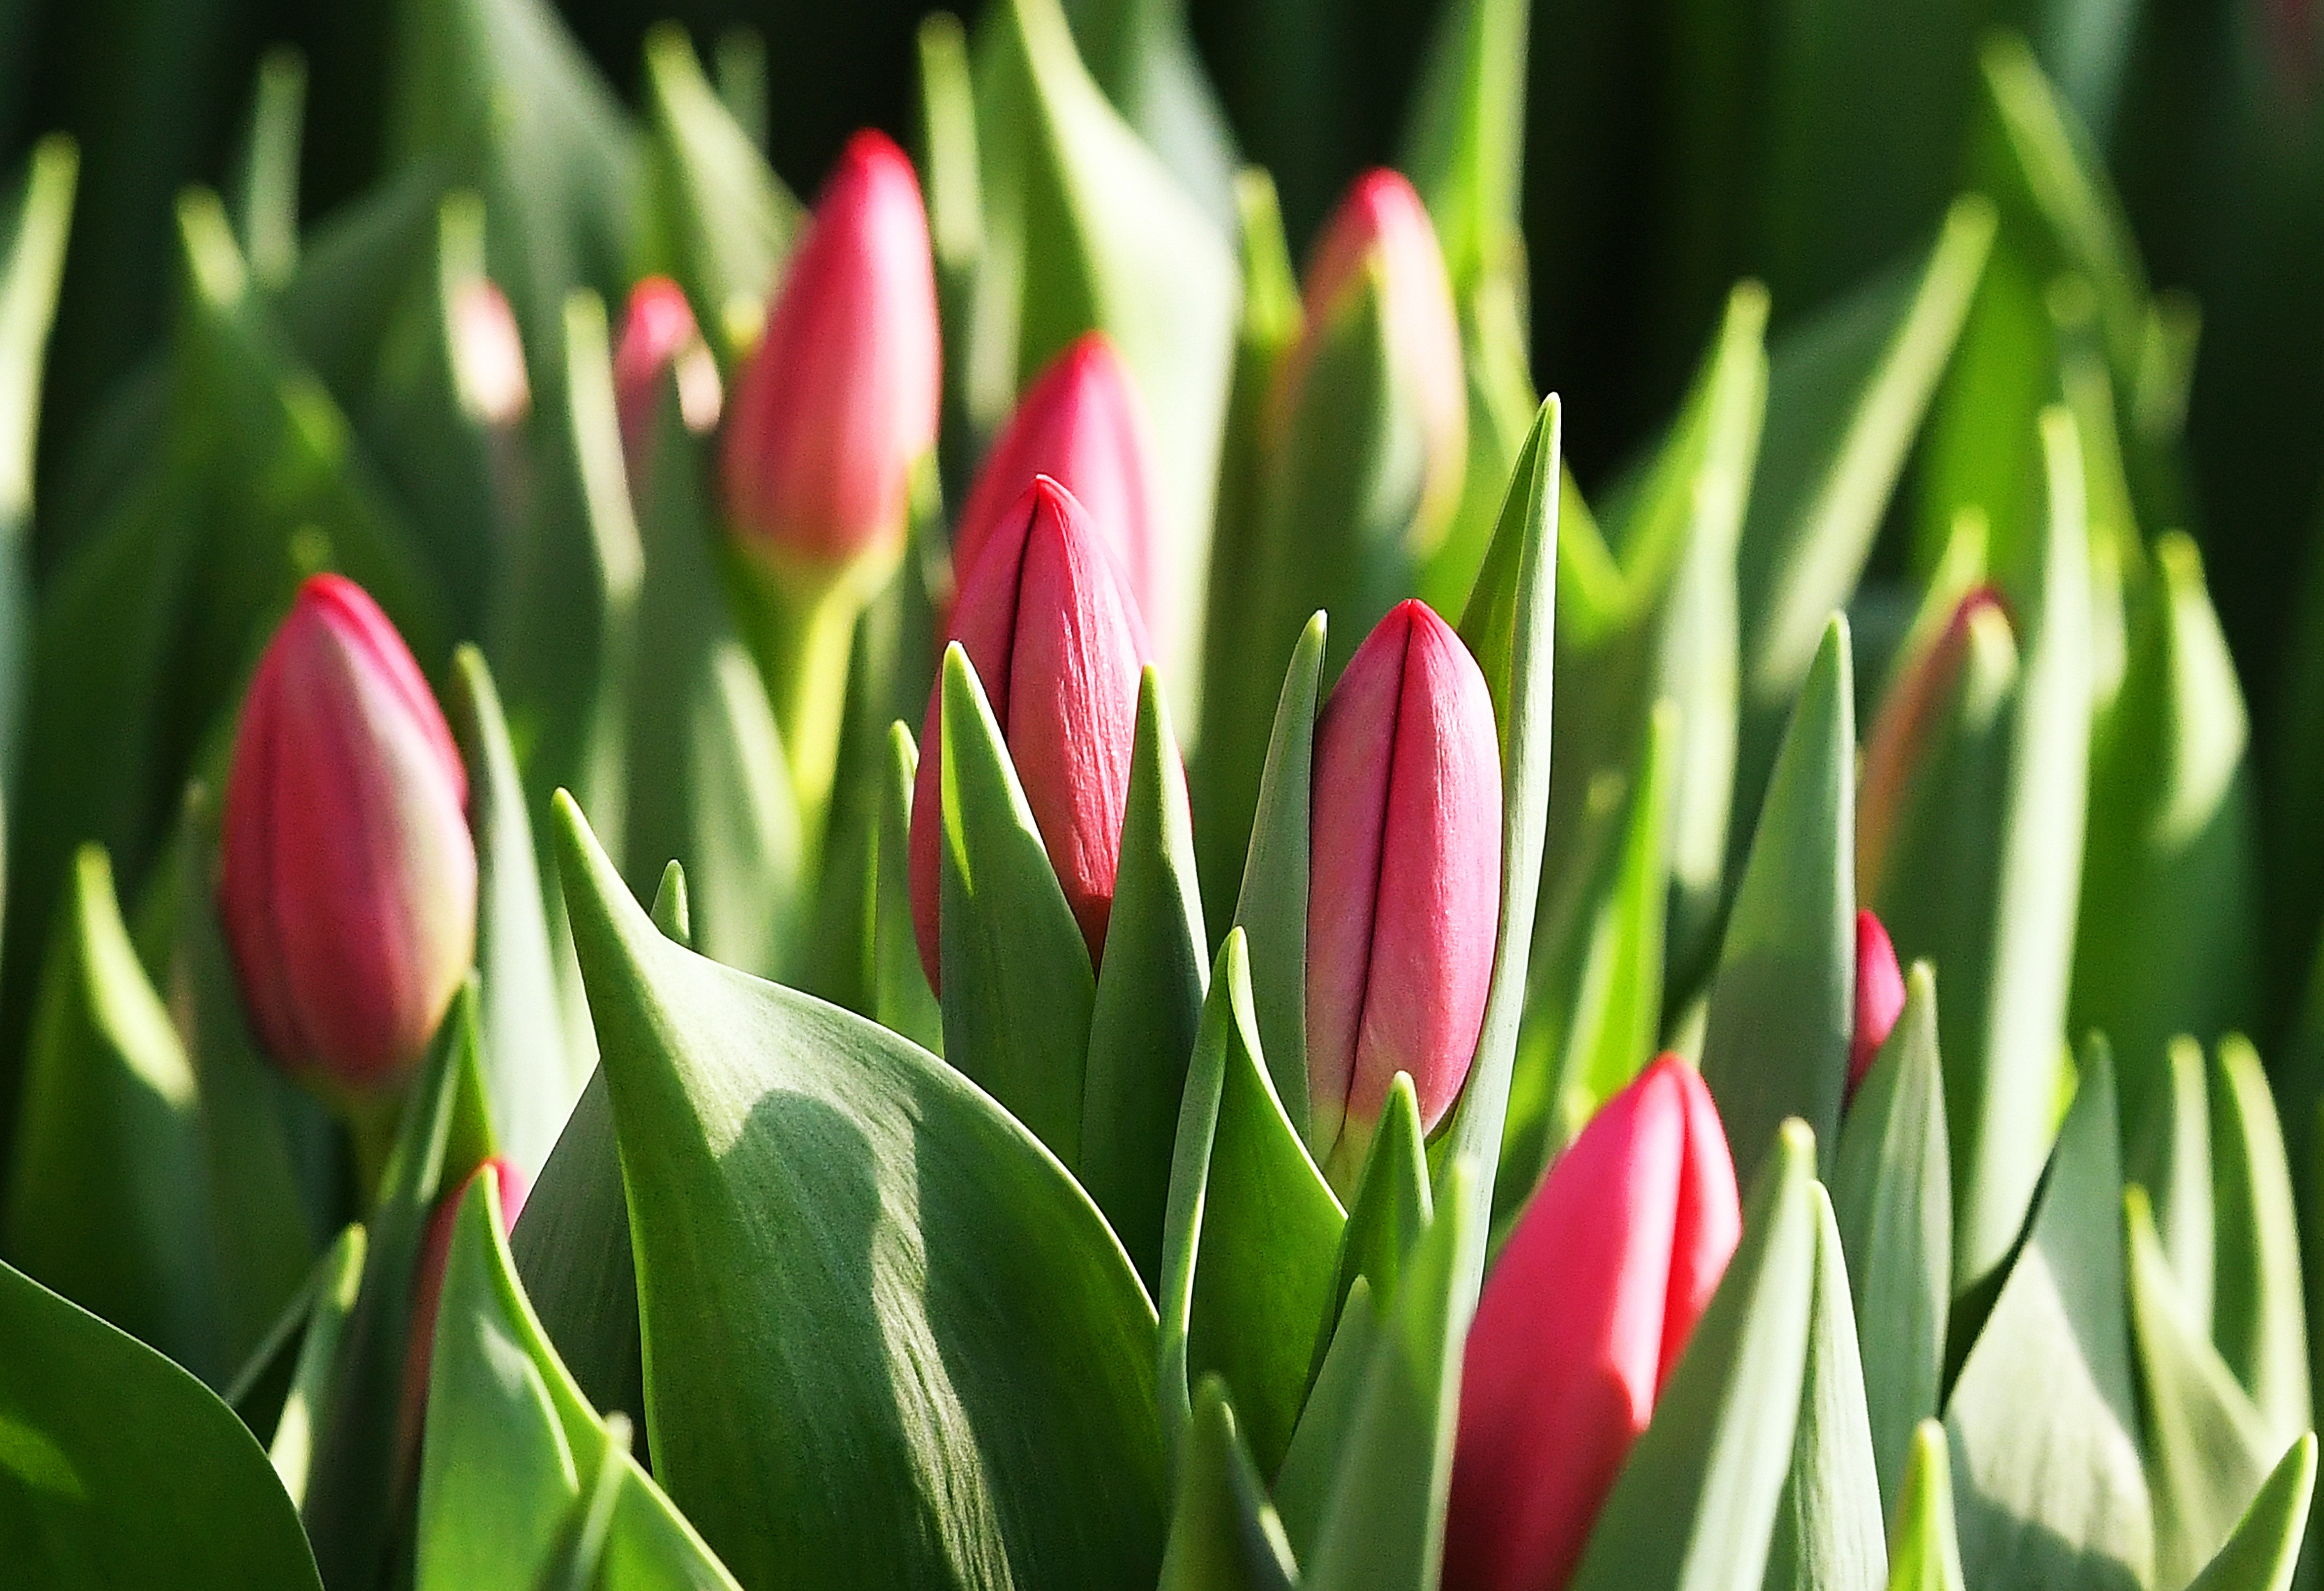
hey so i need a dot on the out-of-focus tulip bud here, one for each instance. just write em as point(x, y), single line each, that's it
point(1580, 1325)
point(348, 887)
point(488, 356)
point(658, 334)
point(1879, 996)
point(838, 402)
point(1381, 228)
point(1081, 425)
point(1404, 888)
point(428, 1296)
point(1908, 714)
point(1049, 624)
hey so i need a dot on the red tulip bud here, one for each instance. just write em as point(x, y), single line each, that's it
point(1081, 425)
point(1404, 880)
point(1046, 618)
point(349, 879)
point(1909, 713)
point(838, 402)
point(658, 334)
point(428, 1299)
point(1879, 996)
point(1382, 227)
point(1580, 1325)
point(488, 356)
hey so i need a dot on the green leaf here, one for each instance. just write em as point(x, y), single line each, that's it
point(528, 1076)
point(1149, 996)
point(119, 1468)
point(29, 280)
point(2168, 940)
point(774, 1298)
point(1783, 1006)
point(1828, 1526)
point(2052, 1493)
point(1923, 1552)
point(2265, 1550)
point(1892, 1194)
point(1318, 1451)
point(339, 1278)
point(359, 1481)
point(1394, 1207)
point(2166, 1150)
point(721, 222)
point(572, 1247)
point(946, 156)
point(1142, 54)
point(1696, 1502)
point(902, 999)
point(1464, 144)
point(2206, 1449)
point(265, 190)
point(2258, 1321)
point(1252, 1231)
point(1224, 1534)
point(1018, 990)
point(1383, 1526)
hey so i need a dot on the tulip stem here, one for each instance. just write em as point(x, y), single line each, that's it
point(802, 636)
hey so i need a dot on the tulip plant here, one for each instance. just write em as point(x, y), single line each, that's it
point(961, 886)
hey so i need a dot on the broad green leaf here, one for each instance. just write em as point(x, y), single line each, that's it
point(1224, 1534)
point(861, 1286)
point(338, 1280)
point(572, 1247)
point(1696, 1502)
point(118, 1469)
point(107, 1200)
point(2207, 1450)
point(359, 1480)
point(1251, 1236)
point(2258, 1320)
point(902, 999)
point(1142, 54)
point(1464, 143)
point(264, 196)
point(1924, 1550)
point(1383, 1526)
point(29, 279)
point(2265, 1550)
point(721, 221)
point(1892, 1194)
point(1018, 989)
point(1150, 996)
point(2168, 936)
point(2050, 1491)
point(528, 1078)
point(2166, 1150)
point(1783, 1000)
point(1828, 1526)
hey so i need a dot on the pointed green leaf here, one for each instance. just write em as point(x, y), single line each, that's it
point(1828, 1526)
point(265, 196)
point(28, 303)
point(1149, 996)
point(1312, 1464)
point(1464, 145)
point(2166, 1149)
point(1892, 1194)
point(1224, 1534)
point(902, 999)
point(1018, 990)
point(2265, 1550)
point(1783, 1002)
point(937, 1309)
point(1923, 1552)
point(2051, 1492)
point(1251, 1234)
point(339, 1278)
point(1142, 54)
point(2258, 1320)
point(1393, 1207)
point(1696, 1501)
point(572, 1247)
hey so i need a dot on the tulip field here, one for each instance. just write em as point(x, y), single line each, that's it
point(991, 871)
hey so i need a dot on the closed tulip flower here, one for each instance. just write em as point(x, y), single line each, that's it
point(1580, 1325)
point(658, 334)
point(1879, 996)
point(1048, 622)
point(838, 402)
point(348, 887)
point(1404, 882)
point(1081, 425)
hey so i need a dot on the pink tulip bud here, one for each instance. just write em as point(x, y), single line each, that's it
point(349, 880)
point(1908, 714)
point(1580, 1325)
point(1404, 880)
point(1879, 996)
point(838, 402)
point(1049, 624)
point(1081, 425)
point(427, 1297)
point(488, 356)
point(658, 334)
point(1383, 228)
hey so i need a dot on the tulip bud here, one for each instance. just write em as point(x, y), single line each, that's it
point(658, 334)
point(1404, 883)
point(1383, 228)
point(838, 402)
point(428, 1295)
point(1580, 1325)
point(488, 356)
point(1879, 996)
point(1080, 424)
point(1049, 624)
point(1899, 747)
point(348, 888)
